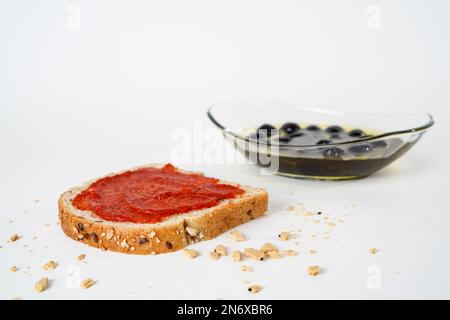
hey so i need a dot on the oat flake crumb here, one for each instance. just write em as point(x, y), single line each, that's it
point(14, 237)
point(87, 283)
point(236, 255)
point(214, 255)
point(246, 268)
point(373, 251)
point(81, 257)
point(190, 253)
point(254, 289)
point(313, 270)
point(221, 250)
point(236, 236)
point(41, 285)
point(51, 265)
point(290, 253)
point(254, 254)
point(13, 269)
point(284, 236)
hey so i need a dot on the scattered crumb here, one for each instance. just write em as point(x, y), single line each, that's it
point(87, 283)
point(246, 268)
point(236, 255)
point(51, 265)
point(254, 289)
point(270, 250)
point(81, 257)
point(313, 270)
point(190, 253)
point(14, 238)
point(254, 254)
point(289, 253)
point(214, 255)
point(41, 285)
point(34, 238)
point(312, 251)
point(13, 269)
point(221, 250)
point(236, 236)
point(290, 208)
point(36, 200)
point(284, 236)
point(373, 251)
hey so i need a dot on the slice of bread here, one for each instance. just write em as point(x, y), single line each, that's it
point(174, 233)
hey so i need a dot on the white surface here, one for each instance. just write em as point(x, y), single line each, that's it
point(79, 103)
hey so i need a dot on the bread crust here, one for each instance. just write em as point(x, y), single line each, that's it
point(170, 235)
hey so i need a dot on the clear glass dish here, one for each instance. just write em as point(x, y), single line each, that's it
point(387, 137)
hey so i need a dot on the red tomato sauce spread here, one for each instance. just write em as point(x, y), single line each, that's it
point(149, 195)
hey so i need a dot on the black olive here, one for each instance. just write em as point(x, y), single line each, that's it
point(323, 141)
point(334, 129)
point(265, 130)
point(312, 127)
point(379, 144)
point(356, 133)
point(290, 127)
point(333, 153)
point(360, 149)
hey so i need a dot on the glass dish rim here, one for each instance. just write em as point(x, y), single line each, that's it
point(430, 122)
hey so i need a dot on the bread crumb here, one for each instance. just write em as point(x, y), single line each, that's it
point(221, 250)
point(254, 254)
point(236, 236)
point(289, 253)
point(87, 283)
point(254, 289)
point(41, 285)
point(270, 250)
point(214, 255)
point(312, 251)
point(246, 268)
point(284, 236)
point(51, 265)
point(191, 253)
point(13, 269)
point(373, 251)
point(236, 255)
point(14, 238)
point(290, 208)
point(81, 257)
point(313, 270)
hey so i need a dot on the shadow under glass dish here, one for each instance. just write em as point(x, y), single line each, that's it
point(313, 143)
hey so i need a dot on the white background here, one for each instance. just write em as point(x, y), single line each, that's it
point(78, 100)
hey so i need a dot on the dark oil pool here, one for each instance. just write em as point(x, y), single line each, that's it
point(315, 151)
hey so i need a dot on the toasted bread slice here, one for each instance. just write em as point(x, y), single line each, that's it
point(174, 233)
